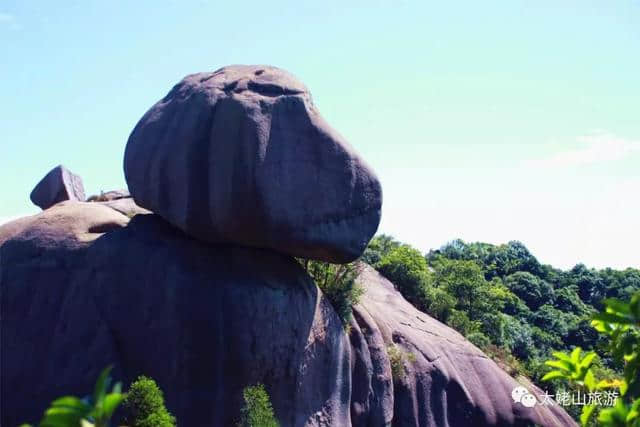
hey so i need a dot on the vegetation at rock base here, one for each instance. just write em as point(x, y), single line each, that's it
point(338, 283)
point(257, 410)
point(517, 310)
point(96, 410)
point(144, 405)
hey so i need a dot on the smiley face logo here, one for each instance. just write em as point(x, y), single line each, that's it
point(518, 392)
point(528, 400)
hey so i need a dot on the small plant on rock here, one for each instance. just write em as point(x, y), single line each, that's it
point(397, 359)
point(338, 283)
point(144, 405)
point(96, 410)
point(257, 410)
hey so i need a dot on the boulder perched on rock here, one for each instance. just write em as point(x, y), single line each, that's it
point(242, 155)
point(79, 291)
point(82, 287)
point(58, 185)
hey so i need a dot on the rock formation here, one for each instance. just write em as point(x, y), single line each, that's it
point(242, 155)
point(203, 294)
point(203, 321)
point(58, 185)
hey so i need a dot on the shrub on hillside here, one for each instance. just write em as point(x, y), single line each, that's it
point(338, 283)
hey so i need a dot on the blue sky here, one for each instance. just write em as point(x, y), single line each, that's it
point(488, 121)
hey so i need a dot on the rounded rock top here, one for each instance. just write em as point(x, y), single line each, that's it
point(242, 155)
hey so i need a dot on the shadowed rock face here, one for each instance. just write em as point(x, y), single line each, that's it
point(58, 185)
point(82, 287)
point(242, 155)
point(203, 321)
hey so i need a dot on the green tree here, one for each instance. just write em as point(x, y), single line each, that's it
point(338, 283)
point(144, 405)
point(406, 268)
point(534, 291)
point(257, 410)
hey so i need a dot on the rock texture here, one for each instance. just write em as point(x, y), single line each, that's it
point(242, 155)
point(81, 286)
point(204, 321)
point(446, 381)
point(58, 185)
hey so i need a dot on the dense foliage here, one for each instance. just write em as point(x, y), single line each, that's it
point(144, 405)
point(257, 410)
point(620, 324)
point(501, 298)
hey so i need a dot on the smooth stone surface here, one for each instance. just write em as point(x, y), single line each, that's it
point(58, 185)
point(242, 155)
point(204, 321)
point(447, 380)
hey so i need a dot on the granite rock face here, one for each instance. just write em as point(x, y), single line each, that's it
point(242, 155)
point(82, 286)
point(58, 185)
point(446, 379)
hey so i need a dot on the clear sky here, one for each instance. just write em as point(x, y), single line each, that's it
point(486, 121)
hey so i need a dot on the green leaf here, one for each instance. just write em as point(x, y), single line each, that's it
point(560, 364)
point(111, 402)
point(588, 359)
point(101, 385)
point(575, 355)
point(71, 402)
point(617, 306)
point(589, 380)
point(613, 318)
point(562, 356)
point(554, 374)
point(587, 411)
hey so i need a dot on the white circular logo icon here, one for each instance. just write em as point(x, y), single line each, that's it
point(521, 395)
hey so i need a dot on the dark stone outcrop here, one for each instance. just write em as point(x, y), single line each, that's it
point(58, 185)
point(79, 291)
point(242, 155)
point(81, 287)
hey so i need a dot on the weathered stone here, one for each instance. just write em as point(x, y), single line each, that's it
point(82, 287)
point(242, 155)
point(204, 321)
point(58, 185)
point(446, 380)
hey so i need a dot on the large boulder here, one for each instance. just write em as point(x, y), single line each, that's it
point(440, 378)
point(242, 155)
point(82, 286)
point(80, 289)
point(58, 185)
